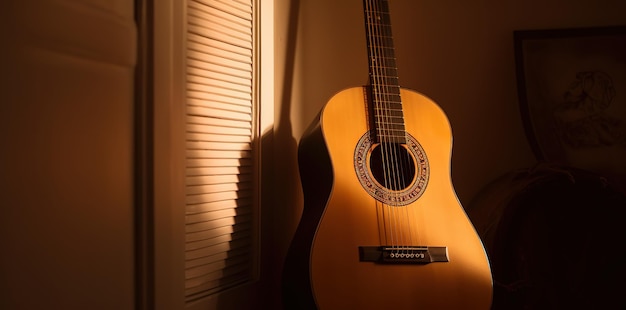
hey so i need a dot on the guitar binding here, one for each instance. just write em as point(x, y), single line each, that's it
point(403, 254)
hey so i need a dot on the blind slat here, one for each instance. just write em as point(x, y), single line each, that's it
point(217, 133)
point(243, 119)
point(208, 56)
point(192, 71)
point(218, 98)
point(218, 256)
point(216, 215)
point(201, 43)
point(212, 250)
point(209, 8)
point(208, 17)
point(247, 88)
point(243, 11)
point(218, 162)
point(214, 232)
point(221, 14)
point(199, 244)
point(213, 104)
point(208, 129)
point(238, 5)
point(217, 188)
point(199, 124)
point(226, 170)
point(212, 287)
point(216, 179)
point(216, 205)
point(247, 3)
point(222, 146)
point(199, 136)
point(219, 91)
point(217, 35)
point(207, 271)
point(206, 198)
point(193, 228)
point(218, 154)
point(200, 64)
point(234, 267)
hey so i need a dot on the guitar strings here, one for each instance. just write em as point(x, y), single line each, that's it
point(381, 106)
point(394, 147)
point(383, 125)
point(398, 217)
point(377, 101)
point(400, 166)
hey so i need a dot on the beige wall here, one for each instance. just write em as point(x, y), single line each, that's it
point(66, 120)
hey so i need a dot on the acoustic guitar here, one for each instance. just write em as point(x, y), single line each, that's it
point(382, 227)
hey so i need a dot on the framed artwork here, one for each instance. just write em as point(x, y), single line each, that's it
point(572, 95)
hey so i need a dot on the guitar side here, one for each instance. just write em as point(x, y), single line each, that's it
point(317, 179)
point(334, 226)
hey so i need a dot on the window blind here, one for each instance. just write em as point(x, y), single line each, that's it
point(220, 157)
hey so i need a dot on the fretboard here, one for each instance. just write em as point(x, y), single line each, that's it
point(388, 118)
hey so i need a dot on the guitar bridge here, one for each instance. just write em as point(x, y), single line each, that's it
point(403, 254)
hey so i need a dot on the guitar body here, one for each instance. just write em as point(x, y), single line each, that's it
point(324, 267)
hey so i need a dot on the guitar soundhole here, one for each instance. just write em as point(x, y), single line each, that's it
point(394, 174)
point(392, 166)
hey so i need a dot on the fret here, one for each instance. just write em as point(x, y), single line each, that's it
point(383, 53)
point(388, 110)
point(385, 89)
point(397, 137)
point(382, 40)
point(383, 112)
point(390, 120)
point(382, 88)
point(399, 132)
point(391, 133)
point(384, 64)
point(386, 93)
point(377, 16)
point(386, 120)
point(386, 82)
point(388, 104)
point(386, 113)
point(386, 61)
point(382, 73)
point(390, 124)
point(386, 97)
point(385, 71)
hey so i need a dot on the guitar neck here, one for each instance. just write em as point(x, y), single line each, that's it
point(388, 119)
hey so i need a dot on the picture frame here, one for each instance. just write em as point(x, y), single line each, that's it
point(572, 95)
